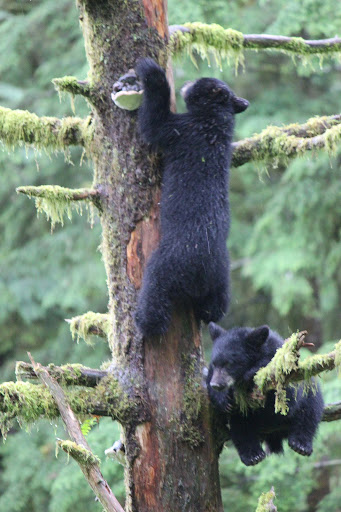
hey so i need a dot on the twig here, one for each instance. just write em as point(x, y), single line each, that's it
point(79, 450)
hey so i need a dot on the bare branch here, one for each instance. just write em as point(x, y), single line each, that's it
point(79, 448)
point(22, 127)
point(67, 375)
point(275, 143)
point(292, 44)
point(332, 412)
point(222, 42)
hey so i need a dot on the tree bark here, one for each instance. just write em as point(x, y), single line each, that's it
point(172, 460)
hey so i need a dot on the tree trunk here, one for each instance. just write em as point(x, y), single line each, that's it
point(172, 459)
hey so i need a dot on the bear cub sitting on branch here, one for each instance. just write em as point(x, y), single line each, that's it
point(191, 266)
point(237, 355)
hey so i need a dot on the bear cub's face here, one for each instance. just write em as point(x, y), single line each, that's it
point(235, 355)
point(214, 93)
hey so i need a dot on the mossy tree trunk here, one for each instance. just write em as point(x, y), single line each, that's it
point(172, 461)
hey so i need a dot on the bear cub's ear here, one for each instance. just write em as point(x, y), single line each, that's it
point(215, 331)
point(258, 336)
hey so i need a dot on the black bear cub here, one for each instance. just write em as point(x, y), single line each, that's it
point(191, 266)
point(237, 355)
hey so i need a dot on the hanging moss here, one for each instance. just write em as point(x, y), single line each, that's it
point(338, 355)
point(227, 43)
point(275, 145)
point(19, 127)
point(284, 362)
point(209, 39)
point(27, 403)
point(56, 202)
point(85, 326)
point(72, 85)
point(265, 502)
point(80, 454)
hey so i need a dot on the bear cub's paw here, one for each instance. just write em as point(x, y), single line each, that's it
point(147, 70)
point(300, 447)
point(253, 458)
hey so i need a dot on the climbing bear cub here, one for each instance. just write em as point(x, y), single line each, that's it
point(237, 355)
point(190, 266)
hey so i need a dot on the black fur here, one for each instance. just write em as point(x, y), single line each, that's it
point(236, 357)
point(191, 264)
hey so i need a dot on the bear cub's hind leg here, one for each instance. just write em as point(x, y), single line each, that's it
point(154, 307)
point(246, 441)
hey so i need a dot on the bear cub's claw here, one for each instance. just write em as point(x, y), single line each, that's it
point(252, 460)
point(300, 448)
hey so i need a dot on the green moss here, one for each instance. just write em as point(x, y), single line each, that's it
point(19, 127)
point(337, 360)
point(85, 326)
point(56, 202)
point(284, 362)
point(192, 403)
point(265, 502)
point(81, 455)
point(27, 403)
point(274, 145)
point(311, 365)
point(227, 43)
point(209, 39)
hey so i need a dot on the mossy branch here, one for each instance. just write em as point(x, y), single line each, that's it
point(19, 127)
point(74, 86)
point(66, 375)
point(227, 43)
point(84, 326)
point(78, 447)
point(78, 452)
point(58, 201)
point(282, 143)
point(265, 502)
point(332, 412)
point(285, 368)
point(60, 193)
point(28, 402)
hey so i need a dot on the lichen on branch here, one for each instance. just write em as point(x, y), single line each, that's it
point(224, 43)
point(285, 369)
point(89, 324)
point(205, 39)
point(18, 127)
point(73, 86)
point(28, 402)
point(56, 201)
point(278, 144)
point(265, 502)
point(78, 452)
point(66, 375)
